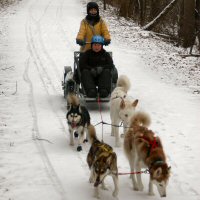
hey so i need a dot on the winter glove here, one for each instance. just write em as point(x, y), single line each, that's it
point(106, 42)
point(93, 72)
point(80, 42)
point(99, 69)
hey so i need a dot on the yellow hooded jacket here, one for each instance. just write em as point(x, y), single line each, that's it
point(87, 31)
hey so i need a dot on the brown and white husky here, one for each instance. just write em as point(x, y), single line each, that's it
point(102, 161)
point(144, 149)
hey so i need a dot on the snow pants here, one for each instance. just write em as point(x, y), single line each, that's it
point(99, 83)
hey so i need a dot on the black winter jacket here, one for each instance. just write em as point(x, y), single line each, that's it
point(90, 59)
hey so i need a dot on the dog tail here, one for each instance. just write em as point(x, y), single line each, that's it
point(124, 82)
point(92, 134)
point(140, 119)
point(72, 99)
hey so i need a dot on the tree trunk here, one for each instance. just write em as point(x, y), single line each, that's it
point(188, 23)
point(198, 21)
point(123, 11)
point(104, 4)
point(142, 11)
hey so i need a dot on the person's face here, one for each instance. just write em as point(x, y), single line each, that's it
point(96, 47)
point(93, 11)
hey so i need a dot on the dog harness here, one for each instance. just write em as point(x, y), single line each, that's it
point(105, 147)
point(106, 150)
point(153, 144)
point(119, 97)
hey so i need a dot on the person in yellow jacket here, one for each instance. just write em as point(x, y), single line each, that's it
point(90, 26)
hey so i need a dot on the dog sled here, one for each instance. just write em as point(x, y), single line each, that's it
point(72, 81)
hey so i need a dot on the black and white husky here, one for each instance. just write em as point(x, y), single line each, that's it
point(78, 119)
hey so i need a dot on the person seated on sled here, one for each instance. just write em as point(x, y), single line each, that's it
point(95, 66)
point(92, 25)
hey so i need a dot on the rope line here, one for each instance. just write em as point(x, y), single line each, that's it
point(139, 172)
point(121, 125)
point(99, 104)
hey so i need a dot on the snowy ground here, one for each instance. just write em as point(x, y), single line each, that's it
point(37, 38)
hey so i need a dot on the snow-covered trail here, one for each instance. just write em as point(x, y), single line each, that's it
point(41, 42)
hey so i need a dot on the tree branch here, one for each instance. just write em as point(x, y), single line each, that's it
point(155, 21)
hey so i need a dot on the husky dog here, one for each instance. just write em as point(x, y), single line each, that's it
point(143, 149)
point(121, 107)
point(102, 161)
point(69, 85)
point(78, 119)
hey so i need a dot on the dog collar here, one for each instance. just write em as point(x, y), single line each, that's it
point(119, 97)
point(159, 161)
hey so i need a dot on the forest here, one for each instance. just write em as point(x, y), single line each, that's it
point(176, 20)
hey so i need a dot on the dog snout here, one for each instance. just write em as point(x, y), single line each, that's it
point(164, 195)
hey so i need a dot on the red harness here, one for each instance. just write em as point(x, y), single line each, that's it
point(153, 144)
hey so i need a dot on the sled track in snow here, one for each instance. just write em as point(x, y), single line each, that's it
point(50, 88)
point(36, 134)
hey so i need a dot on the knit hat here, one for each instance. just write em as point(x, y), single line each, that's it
point(91, 5)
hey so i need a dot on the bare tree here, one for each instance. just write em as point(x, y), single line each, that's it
point(197, 15)
point(187, 28)
point(155, 21)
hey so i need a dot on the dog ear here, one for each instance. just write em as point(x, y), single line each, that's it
point(69, 106)
point(122, 104)
point(157, 173)
point(169, 169)
point(79, 108)
point(134, 104)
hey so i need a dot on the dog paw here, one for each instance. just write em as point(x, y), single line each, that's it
point(79, 148)
point(115, 193)
point(141, 188)
point(103, 187)
point(135, 188)
point(91, 180)
point(96, 193)
point(96, 196)
point(85, 140)
point(151, 194)
point(71, 143)
point(75, 134)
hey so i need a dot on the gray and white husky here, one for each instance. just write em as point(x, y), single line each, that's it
point(78, 119)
